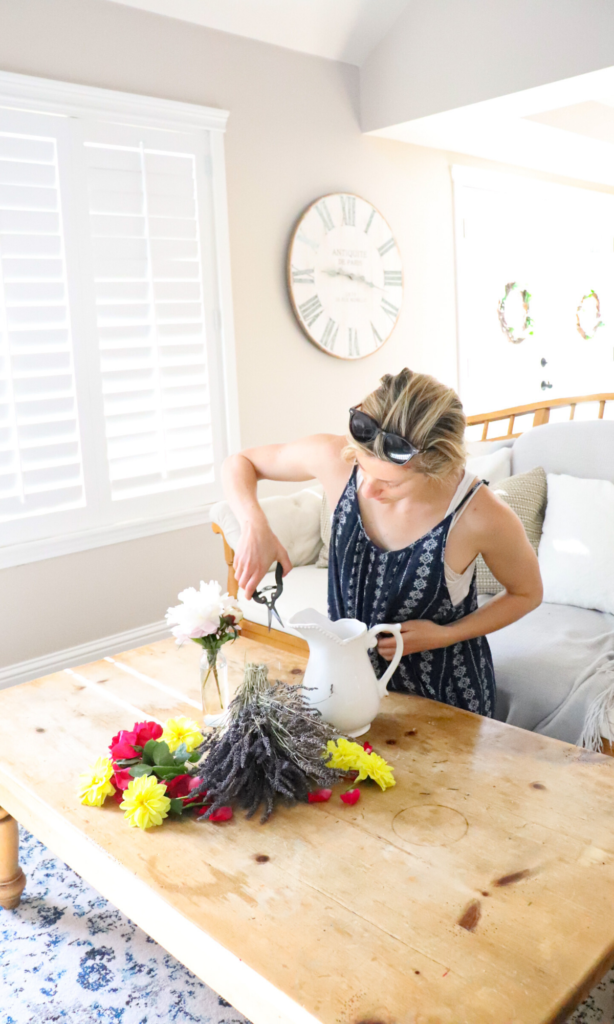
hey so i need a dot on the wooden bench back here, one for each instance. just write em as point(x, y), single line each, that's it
point(533, 415)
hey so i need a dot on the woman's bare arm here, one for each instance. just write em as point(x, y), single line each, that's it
point(500, 536)
point(316, 457)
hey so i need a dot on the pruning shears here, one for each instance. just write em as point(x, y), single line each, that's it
point(271, 594)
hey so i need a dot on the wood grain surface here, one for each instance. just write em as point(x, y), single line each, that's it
point(479, 890)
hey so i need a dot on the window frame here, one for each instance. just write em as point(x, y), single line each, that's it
point(22, 93)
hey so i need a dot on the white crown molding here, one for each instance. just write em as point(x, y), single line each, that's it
point(82, 654)
point(102, 536)
point(66, 98)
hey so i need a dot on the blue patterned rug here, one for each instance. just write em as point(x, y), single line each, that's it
point(67, 956)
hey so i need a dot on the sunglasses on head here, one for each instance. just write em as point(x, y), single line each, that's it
point(396, 449)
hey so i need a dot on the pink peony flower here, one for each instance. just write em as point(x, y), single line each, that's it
point(122, 745)
point(146, 731)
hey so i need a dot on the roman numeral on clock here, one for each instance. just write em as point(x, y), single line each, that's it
point(329, 334)
point(369, 222)
point(386, 247)
point(303, 276)
point(393, 278)
point(325, 216)
point(310, 310)
point(378, 340)
point(389, 309)
point(353, 349)
point(348, 210)
point(307, 241)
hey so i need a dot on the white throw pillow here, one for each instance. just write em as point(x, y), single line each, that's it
point(576, 551)
point(494, 467)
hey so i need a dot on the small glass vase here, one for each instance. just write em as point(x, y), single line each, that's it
point(214, 682)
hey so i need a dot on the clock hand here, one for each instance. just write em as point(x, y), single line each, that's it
point(352, 277)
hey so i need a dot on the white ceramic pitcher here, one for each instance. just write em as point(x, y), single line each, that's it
point(339, 679)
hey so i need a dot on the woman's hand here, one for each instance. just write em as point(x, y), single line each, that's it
point(417, 635)
point(257, 550)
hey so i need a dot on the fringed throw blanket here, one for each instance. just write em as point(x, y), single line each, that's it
point(555, 673)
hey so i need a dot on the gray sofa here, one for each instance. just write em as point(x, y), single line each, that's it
point(555, 667)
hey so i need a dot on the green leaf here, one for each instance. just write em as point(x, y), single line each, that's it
point(127, 762)
point(148, 750)
point(176, 805)
point(166, 771)
point(140, 769)
point(161, 754)
point(180, 755)
point(194, 756)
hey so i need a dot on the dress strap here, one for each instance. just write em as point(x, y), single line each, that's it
point(462, 505)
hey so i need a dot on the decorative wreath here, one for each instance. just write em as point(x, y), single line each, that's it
point(598, 321)
point(527, 323)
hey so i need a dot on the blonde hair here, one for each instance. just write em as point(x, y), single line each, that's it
point(424, 412)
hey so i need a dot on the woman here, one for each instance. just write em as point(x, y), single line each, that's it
point(408, 525)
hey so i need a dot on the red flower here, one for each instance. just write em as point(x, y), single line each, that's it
point(368, 748)
point(351, 797)
point(122, 778)
point(179, 786)
point(122, 745)
point(182, 786)
point(146, 731)
point(222, 814)
point(320, 796)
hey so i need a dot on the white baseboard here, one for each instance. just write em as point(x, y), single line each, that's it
point(82, 654)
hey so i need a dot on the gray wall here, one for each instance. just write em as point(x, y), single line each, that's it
point(444, 54)
point(293, 134)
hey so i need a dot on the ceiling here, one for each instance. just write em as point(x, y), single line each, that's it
point(564, 128)
point(345, 30)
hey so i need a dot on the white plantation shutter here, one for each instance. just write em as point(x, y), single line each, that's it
point(148, 279)
point(113, 382)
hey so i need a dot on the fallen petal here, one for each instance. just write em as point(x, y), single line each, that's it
point(351, 797)
point(320, 796)
point(368, 748)
point(222, 814)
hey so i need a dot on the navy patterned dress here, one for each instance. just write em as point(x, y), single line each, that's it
point(374, 586)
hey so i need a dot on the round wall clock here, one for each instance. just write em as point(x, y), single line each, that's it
point(345, 276)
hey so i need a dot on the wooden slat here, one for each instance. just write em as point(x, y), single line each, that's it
point(478, 889)
point(552, 403)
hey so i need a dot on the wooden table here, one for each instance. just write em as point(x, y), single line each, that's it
point(478, 891)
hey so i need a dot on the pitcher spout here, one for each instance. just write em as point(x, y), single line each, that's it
point(342, 631)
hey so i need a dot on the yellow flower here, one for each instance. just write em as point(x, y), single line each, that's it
point(379, 770)
point(94, 784)
point(182, 730)
point(145, 802)
point(348, 756)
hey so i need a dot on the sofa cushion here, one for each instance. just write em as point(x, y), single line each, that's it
point(294, 518)
point(526, 495)
point(547, 668)
point(576, 553)
point(578, 448)
point(494, 467)
point(304, 587)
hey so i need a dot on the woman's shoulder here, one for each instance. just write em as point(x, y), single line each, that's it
point(486, 511)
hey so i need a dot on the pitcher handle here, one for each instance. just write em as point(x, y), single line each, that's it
point(394, 628)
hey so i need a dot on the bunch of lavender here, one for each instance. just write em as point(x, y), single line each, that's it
point(271, 748)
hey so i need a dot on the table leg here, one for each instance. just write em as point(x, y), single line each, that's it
point(12, 878)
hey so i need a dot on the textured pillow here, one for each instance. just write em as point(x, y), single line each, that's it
point(325, 514)
point(576, 553)
point(526, 495)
